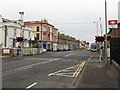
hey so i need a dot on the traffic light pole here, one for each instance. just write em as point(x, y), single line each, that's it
point(21, 55)
point(20, 40)
point(21, 19)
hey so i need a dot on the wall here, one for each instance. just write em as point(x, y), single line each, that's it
point(27, 51)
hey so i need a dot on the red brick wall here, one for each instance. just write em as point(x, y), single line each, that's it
point(117, 31)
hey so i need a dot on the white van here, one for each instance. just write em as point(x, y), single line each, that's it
point(94, 47)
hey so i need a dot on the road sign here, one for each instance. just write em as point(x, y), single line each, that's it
point(112, 22)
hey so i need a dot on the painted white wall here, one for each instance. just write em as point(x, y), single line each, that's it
point(1, 32)
point(54, 46)
point(119, 11)
point(11, 33)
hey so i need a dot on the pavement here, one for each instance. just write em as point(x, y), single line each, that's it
point(97, 74)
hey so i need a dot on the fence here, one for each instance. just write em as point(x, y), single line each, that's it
point(115, 49)
point(29, 51)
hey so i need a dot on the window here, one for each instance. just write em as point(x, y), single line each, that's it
point(49, 29)
point(23, 33)
point(38, 29)
point(14, 32)
point(38, 37)
point(29, 34)
point(44, 37)
point(44, 28)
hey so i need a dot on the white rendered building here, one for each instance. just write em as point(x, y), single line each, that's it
point(14, 29)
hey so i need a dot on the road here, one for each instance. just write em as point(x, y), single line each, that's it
point(48, 70)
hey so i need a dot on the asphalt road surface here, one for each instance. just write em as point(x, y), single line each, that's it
point(48, 70)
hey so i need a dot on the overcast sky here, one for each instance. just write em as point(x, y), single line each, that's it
point(72, 17)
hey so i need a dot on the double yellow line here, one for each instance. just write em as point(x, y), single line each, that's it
point(79, 69)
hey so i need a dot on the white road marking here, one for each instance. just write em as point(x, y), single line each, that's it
point(31, 85)
point(56, 73)
point(70, 71)
point(89, 58)
point(65, 75)
point(41, 59)
point(68, 54)
point(27, 67)
point(99, 66)
point(75, 70)
point(67, 68)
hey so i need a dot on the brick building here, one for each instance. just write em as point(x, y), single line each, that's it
point(45, 33)
point(115, 32)
point(65, 42)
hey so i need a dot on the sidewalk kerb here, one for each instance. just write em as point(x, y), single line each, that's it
point(80, 77)
point(116, 64)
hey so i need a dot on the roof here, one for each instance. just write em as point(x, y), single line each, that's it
point(36, 22)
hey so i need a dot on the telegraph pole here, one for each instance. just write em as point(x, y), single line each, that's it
point(5, 35)
point(105, 31)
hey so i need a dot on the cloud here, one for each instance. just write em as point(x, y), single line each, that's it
point(74, 17)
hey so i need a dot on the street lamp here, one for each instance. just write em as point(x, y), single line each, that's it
point(97, 27)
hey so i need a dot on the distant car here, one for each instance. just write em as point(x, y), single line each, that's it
point(88, 49)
